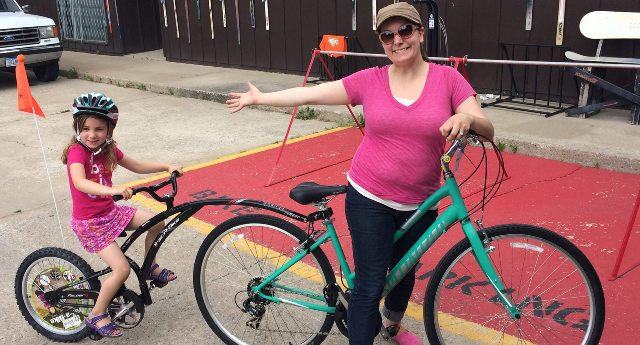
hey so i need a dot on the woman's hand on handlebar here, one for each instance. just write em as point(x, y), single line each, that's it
point(457, 126)
point(238, 100)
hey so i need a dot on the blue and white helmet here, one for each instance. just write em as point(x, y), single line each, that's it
point(95, 104)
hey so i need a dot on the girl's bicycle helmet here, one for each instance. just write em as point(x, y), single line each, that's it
point(95, 104)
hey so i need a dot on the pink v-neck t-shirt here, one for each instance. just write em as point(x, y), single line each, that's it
point(399, 156)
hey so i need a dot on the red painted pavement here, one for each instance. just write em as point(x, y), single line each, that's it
point(589, 206)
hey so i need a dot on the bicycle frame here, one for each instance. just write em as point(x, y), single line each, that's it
point(182, 213)
point(454, 213)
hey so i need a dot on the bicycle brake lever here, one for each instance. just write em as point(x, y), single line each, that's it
point(458, 158)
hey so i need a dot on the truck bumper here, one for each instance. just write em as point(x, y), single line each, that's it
point(33, 56)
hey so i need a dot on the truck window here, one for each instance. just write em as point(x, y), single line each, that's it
point(8, 6)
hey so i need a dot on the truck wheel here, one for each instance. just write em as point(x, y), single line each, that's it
point(48, 72)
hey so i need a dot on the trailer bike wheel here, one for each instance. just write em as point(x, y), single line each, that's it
point(45, 270)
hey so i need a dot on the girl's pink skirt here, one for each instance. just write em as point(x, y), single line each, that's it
point(97, 233)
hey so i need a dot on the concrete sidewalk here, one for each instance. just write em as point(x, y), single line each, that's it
point(605, 140)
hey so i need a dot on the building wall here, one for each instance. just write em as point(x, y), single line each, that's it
point(474, 28)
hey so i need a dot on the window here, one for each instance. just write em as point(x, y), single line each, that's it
point(83, 20)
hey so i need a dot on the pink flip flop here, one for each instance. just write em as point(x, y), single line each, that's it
point(405, 338)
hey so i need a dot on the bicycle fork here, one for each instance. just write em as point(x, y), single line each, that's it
point(480, 251)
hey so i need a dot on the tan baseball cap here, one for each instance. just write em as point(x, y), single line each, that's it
point(400, 9)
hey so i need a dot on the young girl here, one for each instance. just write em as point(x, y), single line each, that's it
point(91, 157)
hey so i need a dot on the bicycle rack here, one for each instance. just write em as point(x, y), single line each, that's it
point(527, 83)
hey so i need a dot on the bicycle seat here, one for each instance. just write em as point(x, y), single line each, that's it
point(311, 192)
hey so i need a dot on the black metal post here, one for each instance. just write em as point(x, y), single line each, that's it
point(432, 26)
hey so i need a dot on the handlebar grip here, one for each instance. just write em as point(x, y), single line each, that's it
point(119, 197)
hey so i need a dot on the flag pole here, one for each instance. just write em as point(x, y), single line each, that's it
point(27, 103)
point(44, 158)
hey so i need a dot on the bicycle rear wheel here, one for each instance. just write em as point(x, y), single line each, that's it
point(552, 283)
point(45, 270)
point(238, 255)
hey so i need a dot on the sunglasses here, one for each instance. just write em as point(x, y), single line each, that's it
point(405, 31)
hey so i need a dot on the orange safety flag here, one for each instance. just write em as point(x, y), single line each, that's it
point(333, 43)
point(26, 102)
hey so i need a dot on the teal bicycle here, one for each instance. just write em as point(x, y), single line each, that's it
point(260, 279)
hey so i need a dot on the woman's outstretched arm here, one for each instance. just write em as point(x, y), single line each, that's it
point(331, 93)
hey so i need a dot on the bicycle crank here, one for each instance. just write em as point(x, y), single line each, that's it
point(126, 309)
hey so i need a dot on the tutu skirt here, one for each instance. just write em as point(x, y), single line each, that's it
point(97, 233)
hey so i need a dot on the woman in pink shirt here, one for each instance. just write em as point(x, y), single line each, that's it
point(97, 221)
point(410, 108)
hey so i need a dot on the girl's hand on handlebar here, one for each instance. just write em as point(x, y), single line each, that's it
point(237, 100)
point(126, 192)
point(176, 168)
point(457, 126)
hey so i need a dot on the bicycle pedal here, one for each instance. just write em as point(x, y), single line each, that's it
point(156, 284)
point(385, 334)
point(389, 332)
point(95, 336)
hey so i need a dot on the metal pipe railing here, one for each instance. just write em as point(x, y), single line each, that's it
point(505, 62)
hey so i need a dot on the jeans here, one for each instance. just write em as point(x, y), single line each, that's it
point(372, 225)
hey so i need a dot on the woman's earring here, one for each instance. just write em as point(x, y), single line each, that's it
point(109, 141)
point(78, 137)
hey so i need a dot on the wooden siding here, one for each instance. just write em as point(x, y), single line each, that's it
point(474, 28)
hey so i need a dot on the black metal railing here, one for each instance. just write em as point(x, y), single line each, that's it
point(532, 88)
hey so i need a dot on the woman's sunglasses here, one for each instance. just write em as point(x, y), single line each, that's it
point(405, 31)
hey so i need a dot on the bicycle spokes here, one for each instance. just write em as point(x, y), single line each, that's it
point(554, 293)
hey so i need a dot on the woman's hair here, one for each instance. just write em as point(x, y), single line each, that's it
point(108, 149)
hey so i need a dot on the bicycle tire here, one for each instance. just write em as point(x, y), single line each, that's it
point(55, 267)
point(259, 244)
point(461, 304)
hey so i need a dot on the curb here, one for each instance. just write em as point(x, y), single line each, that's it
point(217, 97)
point(589, 159)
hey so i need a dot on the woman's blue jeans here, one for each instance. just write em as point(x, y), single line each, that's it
point(372, 226)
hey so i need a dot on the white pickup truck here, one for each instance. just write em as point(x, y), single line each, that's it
point(35, 37)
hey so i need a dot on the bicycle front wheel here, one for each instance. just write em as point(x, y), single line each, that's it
point(237, 256)
point(552, 283)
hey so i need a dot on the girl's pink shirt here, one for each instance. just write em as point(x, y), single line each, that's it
point(87, 206)
point(399, 156)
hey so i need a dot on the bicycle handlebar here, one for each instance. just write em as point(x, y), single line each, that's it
point(151, 190)
point(458, 144)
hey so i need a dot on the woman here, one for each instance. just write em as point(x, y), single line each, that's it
point(410, 107)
